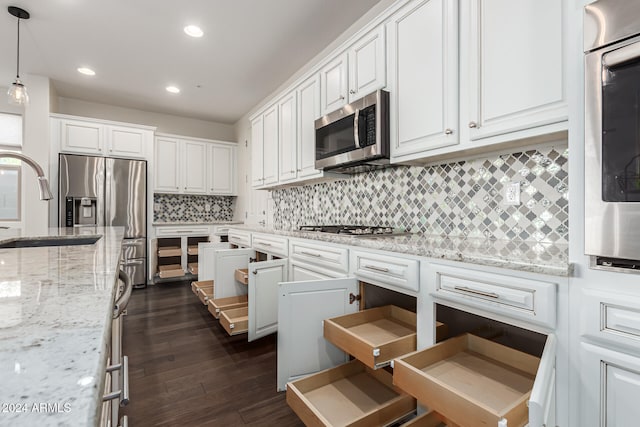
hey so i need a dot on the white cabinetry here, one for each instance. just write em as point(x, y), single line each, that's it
point(334, 84)
point(367, 64)
point(308, 93)
point(194, 166)
point(81, 135)
point(257, 151)
point(423, 77)
point(288, 133)
point(264, 148)
point(515, 73)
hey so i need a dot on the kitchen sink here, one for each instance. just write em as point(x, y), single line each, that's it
point(49, 241)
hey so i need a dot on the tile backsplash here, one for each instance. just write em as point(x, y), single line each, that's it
point(456, 199)
point(191, 208)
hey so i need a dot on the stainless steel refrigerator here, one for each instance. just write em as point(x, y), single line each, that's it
point(103, 191)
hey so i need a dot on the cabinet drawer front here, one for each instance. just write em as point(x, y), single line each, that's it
point(334, 258)
point(240, 238)
point(275, 245)
point(611, 317)
point(386, 270)
point(517, 297)
point(182, 231)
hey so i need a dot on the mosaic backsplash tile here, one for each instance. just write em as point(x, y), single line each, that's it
point(462, 199)
point(191, 208)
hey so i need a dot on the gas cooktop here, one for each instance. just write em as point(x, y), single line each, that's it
point(353, 230)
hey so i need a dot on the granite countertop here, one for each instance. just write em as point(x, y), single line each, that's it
point(56, 306)
point(159, 224)
point(535, 257)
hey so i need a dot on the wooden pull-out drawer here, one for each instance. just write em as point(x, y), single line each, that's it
point(171, 270)
point(242, 275)
point(200, 284)
point(235, 320)
point(470, 380)
point(348, 395)
point(271, 244)
point(167, 251)
point(240, 238)
point(334, 258)
point(374, 336)
point(192, 250)
point(218, 305)
point(205, 293)
point(428, 419)
point(384, 270)
point(193, 268)
point(513, 296)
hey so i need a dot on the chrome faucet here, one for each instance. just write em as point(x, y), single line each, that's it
point(45, 191)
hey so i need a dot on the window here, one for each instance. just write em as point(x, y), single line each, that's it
point(10, 169)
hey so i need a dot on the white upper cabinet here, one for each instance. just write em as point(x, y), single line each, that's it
point(195, 167)
point(333, 83)
point(101, 138)
point(423, 77)
point(167, 165)
point(270, 141)
point(515, 73)
point(308, 111)
point(367, 64)
point(287, 142)
point(257, 151)
point(222, 169)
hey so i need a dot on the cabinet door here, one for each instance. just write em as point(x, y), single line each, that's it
point(423, 77)
point(127, 142)
point(270, 142)
point(308, 112)
point(264, 278)
point(167, 165)
point(227, 261)
point(206, 259)
point(515, 73)
point(287, 141)
point(77, 136)
point(222, 169)
point(257, 151)
point(302, 307)
point(194, 165)
point(333, 84)
point(367, 64)
point(610, 388)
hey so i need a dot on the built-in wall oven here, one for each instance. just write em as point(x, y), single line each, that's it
point(612, 134)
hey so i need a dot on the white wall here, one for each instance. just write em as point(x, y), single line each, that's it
point(164, 123)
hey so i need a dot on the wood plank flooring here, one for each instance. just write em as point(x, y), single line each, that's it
point(186, 371)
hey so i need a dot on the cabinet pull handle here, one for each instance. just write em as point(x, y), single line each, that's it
point(263, 243)
point(448, 131)
point(473, 125)
point(376, 268)
point(311, 254)
point(356, 127)
point(299, 170)
point(341, 97)
point(477, 292)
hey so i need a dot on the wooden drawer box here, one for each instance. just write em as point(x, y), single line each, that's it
point(193, 268)
point(348, 395)
point(205, 293)
point(428, 419)
point(167, 251)
point(199, 284)
point(471, 381)
point(192, 250)
point(217, 306)
point(171, 270)
point(374, 336)
point(242, 275)
point(235, 320)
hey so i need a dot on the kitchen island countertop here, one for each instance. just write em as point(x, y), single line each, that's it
point(55, 325)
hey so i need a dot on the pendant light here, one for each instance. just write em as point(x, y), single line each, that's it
point(18, 92)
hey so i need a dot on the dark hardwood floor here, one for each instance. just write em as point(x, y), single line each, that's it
point(186, 371)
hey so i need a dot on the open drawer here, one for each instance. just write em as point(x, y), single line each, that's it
point(374, 336)
point(171, 270)
point(475, 382)
point(242, 275)
point(205, 293)
point(348, 395)
point(193, 268)
point(235, 320)
point(217, 306)
point(169, 251)
point(196, 285)
point(428, 419)
point(192, 250)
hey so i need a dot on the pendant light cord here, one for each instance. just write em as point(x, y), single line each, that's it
point(18, 52)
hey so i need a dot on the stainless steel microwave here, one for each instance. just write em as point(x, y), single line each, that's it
point(355, 138)
point(612, 134)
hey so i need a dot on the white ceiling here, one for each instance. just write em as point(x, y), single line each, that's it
point(138, 47)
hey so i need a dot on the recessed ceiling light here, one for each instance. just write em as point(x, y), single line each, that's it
point(193, 31)
point(173, 89)
point(86, 71)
